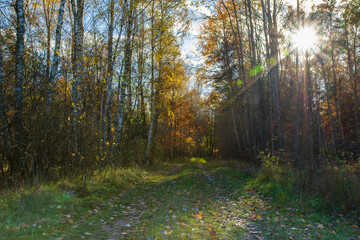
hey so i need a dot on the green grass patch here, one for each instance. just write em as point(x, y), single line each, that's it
point(197, 160)
point(160, 203)
point(64, 210)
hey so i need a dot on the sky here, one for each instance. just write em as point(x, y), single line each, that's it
point(189, 47)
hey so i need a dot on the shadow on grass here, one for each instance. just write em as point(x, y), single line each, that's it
point(187, 205)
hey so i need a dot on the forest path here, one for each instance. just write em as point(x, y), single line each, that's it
point(190, 201)
point(200, 200)
point(193, 200)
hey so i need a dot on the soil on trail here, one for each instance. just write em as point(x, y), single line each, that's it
point(131, 215)
point(176, 169)
point(200, 201)
point(194, 200)
point(182, 221)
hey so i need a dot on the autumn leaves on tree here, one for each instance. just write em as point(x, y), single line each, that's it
point(90, 84)
point(300, 105)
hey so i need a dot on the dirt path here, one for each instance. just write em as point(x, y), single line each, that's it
point(123, 228)
point(131, 216)
point(205, 172)
point(253, 233)
point(176, 169)
point(198, 201)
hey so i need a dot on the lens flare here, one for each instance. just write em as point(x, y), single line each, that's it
point(305, 39)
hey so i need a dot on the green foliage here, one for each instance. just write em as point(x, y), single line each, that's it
point(330, 188)
point(272, 168)
point(197, 160)
point(317, 204)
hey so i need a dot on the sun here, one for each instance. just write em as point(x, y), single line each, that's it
point(305, 38)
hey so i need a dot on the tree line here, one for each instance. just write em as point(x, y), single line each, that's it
point(89, 84)
point(302, 107)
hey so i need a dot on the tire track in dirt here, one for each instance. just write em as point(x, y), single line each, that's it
point(253, 232)
point(176, 169)
point(132, 215)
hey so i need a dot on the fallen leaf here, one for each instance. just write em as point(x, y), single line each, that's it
point(198, 216)
point(319, 225)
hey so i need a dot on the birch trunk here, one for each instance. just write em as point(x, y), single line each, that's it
point(153, 109)
point(125, 79)
point(16, 165)
point(77, 11)
point(56, 58)
point(110, 74)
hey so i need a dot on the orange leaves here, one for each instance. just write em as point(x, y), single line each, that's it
point(213, 233)
point(199, 217)
point(17, 228)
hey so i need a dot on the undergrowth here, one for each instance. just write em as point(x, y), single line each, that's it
point(330, 189)
point(49, 210)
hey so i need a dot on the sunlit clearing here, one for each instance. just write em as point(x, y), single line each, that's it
point(305, 39)
point(197, 160)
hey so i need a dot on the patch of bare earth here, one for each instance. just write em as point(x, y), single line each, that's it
point(206, 173)
point(121, 229)
point(253, 232)
point(175, 169)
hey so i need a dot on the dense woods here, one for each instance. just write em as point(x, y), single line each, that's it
point(110, 127)
point(275, 95)
point(286, 80)
point(87, 85)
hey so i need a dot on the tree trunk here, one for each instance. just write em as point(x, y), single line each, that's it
point(17, 164)
point(125, 79)
point(4, 125)
point(110, 74)
point(153, 103)
point(77, 65)
point(56, 59)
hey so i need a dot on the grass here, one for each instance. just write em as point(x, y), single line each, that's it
point(154, 204)
point(63, 209)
